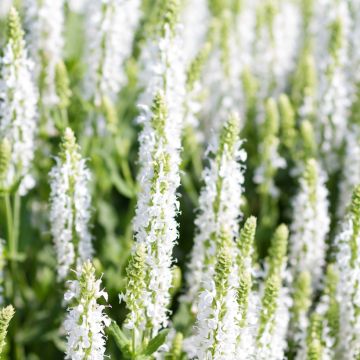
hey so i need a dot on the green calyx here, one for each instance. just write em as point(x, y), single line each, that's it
point(301, 296)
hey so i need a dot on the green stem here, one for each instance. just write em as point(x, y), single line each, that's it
point(9, 224)
point(16, 222)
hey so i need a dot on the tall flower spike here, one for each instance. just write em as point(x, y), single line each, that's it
point(45, 22)
point(110, 33)
point(287, 116)
point(70, 203)
point(18, 115)
point(299, 321)
point(218, 205)
point(246, 298)
point(348, 291)
point(86, 320)
point(162, 65)
point(62, 85)
point(270, 159)
point(274, 313)
point(136, 283)
point(310, 224)
point(155, 223)
point(329, 309)
point(6, 314)
point(334, 99)
point(216, 321)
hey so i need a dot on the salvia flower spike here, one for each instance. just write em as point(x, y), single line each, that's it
point(70, 203)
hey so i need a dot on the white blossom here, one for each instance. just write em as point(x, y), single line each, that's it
point(18, 111)
point(219, 206)
point(310, 224)
point(110, 31)
point(86, 320)
point(348, 264)
point(45, 23)
point(70, 203)
point(155, 222)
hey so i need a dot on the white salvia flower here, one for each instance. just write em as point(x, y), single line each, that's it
point(247, 300)
point(162, 65)
point(334, 92)
point(86, 320)
point(110, 33)
point(275, 302)
point(216, 325)
point(275, 46)
point(348, 264)
point(310, 224)
point(270, 161)
point(45, 22)
point(320, 340)
point(219, 205)
point(70, 202)
point(154, 224)
point(18, 99)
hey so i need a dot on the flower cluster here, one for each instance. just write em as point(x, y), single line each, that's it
point(70, 202)
point(18, 112)
point(86, 320)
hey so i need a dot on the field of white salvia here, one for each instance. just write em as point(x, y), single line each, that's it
point(180, 179)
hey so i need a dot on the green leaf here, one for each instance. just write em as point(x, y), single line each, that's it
point(121, 339)
point(156, 342)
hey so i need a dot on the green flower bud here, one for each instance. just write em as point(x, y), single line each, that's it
point(176, 347)
point(314, 338)
point(62, 85)
point(271, 123)
point(197, 65)
point(301, 295)
point(287, 115)
point(15, 32)
point(244, 261)
point(308, 139)
point(278, 248)
point(176, 280)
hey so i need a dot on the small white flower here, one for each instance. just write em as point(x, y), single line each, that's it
point(86, 320)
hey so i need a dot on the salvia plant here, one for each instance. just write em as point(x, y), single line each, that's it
point(180, 179)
